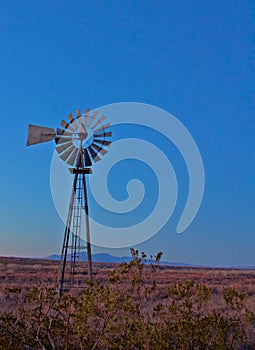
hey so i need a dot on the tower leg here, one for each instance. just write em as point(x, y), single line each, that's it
point(87, 228)
point(62, 265)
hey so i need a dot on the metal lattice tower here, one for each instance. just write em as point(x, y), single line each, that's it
point(80, 142)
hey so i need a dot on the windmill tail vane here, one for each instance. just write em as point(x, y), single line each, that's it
point(80, 142)
point(39, 134)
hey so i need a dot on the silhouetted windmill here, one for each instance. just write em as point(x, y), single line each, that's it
point(80, 142)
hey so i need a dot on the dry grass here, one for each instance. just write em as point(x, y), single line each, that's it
point(24, 273)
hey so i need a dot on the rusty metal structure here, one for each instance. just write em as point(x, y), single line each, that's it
point(80, 142)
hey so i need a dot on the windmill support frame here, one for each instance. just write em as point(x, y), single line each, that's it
point(80, 141)
point(79, 189)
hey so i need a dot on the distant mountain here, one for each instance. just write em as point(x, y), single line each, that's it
point(107, 258)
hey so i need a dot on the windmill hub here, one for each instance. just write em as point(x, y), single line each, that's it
point(86, 137)
point(83, 135)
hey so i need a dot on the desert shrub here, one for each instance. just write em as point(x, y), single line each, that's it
point(124, 314)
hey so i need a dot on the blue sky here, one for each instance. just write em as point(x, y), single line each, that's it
point(191, 58)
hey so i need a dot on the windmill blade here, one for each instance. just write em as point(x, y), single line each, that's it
point(103, 151)
point(87, 158)
point(63, 132)
point(80, 121)
point(102, 127)
point(78, 113)
point(99, 149)
point(81, 126)
point(79, 117)
point(62, 139)
point(92, 153)
point(104, 134)
point(63, 147)
point(67, 153)
point(39, 134)
point(93, 118)
point(103, 142)
point(97, 158)
point(72, 158)
point(83, 131)
point(72, 120)
point(66, 125)
point(99, 121)
point(86, 116)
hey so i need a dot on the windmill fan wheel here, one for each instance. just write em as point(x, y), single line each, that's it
point(83, 140)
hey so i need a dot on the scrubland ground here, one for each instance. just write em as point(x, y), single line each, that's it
point(129, 306)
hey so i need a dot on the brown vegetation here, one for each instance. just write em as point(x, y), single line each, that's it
point(26, 272)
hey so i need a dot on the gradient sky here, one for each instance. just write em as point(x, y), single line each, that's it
point(191, 58)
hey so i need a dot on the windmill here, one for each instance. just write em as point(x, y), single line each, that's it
point(80, 142)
